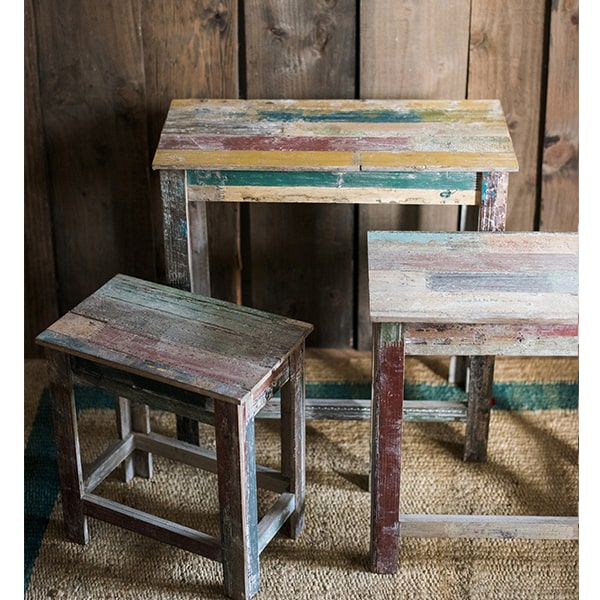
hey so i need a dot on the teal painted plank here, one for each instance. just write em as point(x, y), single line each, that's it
point(358, 179)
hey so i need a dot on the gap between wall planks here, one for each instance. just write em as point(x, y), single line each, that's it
point(107, 71)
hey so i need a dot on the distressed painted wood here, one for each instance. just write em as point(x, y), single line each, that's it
point(490, 526)
point(200, 344)
point(386, 441)
point(236, 460)
point(469, 278)
point(338, 135)
point(202, 358)
point(317, 152)
point(479, 405)
point(472, 293)
point(64, 419)
point(293, 438)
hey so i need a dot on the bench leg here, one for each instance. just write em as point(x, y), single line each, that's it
point(133, 416)
point(481, 382)
point(293, 440)
point(236, 473)
point(64, 418)
point(386, 439)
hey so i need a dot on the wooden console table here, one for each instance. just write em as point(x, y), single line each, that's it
point(324, 151)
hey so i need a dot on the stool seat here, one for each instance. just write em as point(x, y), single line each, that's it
point(201, 358)
point(477, 294)
point(508, 277)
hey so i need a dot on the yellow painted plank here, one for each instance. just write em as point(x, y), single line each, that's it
point(438, 161)
point(261, 159)
point(316, 195)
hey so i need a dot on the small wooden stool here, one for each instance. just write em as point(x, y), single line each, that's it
point(476, 294)
point(179, 352)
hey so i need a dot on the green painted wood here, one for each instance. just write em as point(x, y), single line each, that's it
point(396, 180)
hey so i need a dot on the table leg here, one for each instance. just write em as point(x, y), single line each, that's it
point(492, 217)
point(386, 439)
point(185, 237)
point(494, 195)
point(236, 476)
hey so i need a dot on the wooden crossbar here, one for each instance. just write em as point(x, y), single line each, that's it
point(489, 526)
point(152, 526)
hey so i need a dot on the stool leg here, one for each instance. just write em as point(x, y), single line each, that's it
point(236, 473)
point(386, 439)
point(481, 382)
point(133, 416)
point(293, 439)
point(64, 418)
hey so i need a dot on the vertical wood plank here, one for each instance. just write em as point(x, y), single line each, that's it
point(560, 167)
point(505, 62)
point(133, 416)
point(92, 92)
point(301, 256)
point(191, 51)
point(386, 442)
point(41, 307)
point(481, 379)
point(293, 439)
point(236, 471)
point(408, 49)
point(64, 420)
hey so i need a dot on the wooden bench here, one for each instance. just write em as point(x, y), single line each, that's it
point(477, 294)
point(154, 346)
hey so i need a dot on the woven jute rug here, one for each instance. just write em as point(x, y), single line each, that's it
point(532, 469)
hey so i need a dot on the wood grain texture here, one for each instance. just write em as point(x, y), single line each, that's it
point(236, 467)
point(505, 527)
point(191, 50)
point(408, 50)
point(505, 62)
point(92, 90)
point(386, 444)
point(560, 167)
point(302, 50)
point(471, 277)
point(64, 420)
point(189, 341)
point(41, 300)
point(479, 405)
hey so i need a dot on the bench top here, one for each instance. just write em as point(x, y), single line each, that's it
point(473, 277)
point(336, 135)
point(197, 343)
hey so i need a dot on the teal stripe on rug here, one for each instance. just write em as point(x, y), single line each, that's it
point(41, 485)
point(507, 396)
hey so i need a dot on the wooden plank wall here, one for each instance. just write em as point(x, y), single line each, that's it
point(100, 75)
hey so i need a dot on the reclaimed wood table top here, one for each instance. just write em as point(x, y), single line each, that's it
point(193, 342)
point(473, 277)
point(345, 136)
